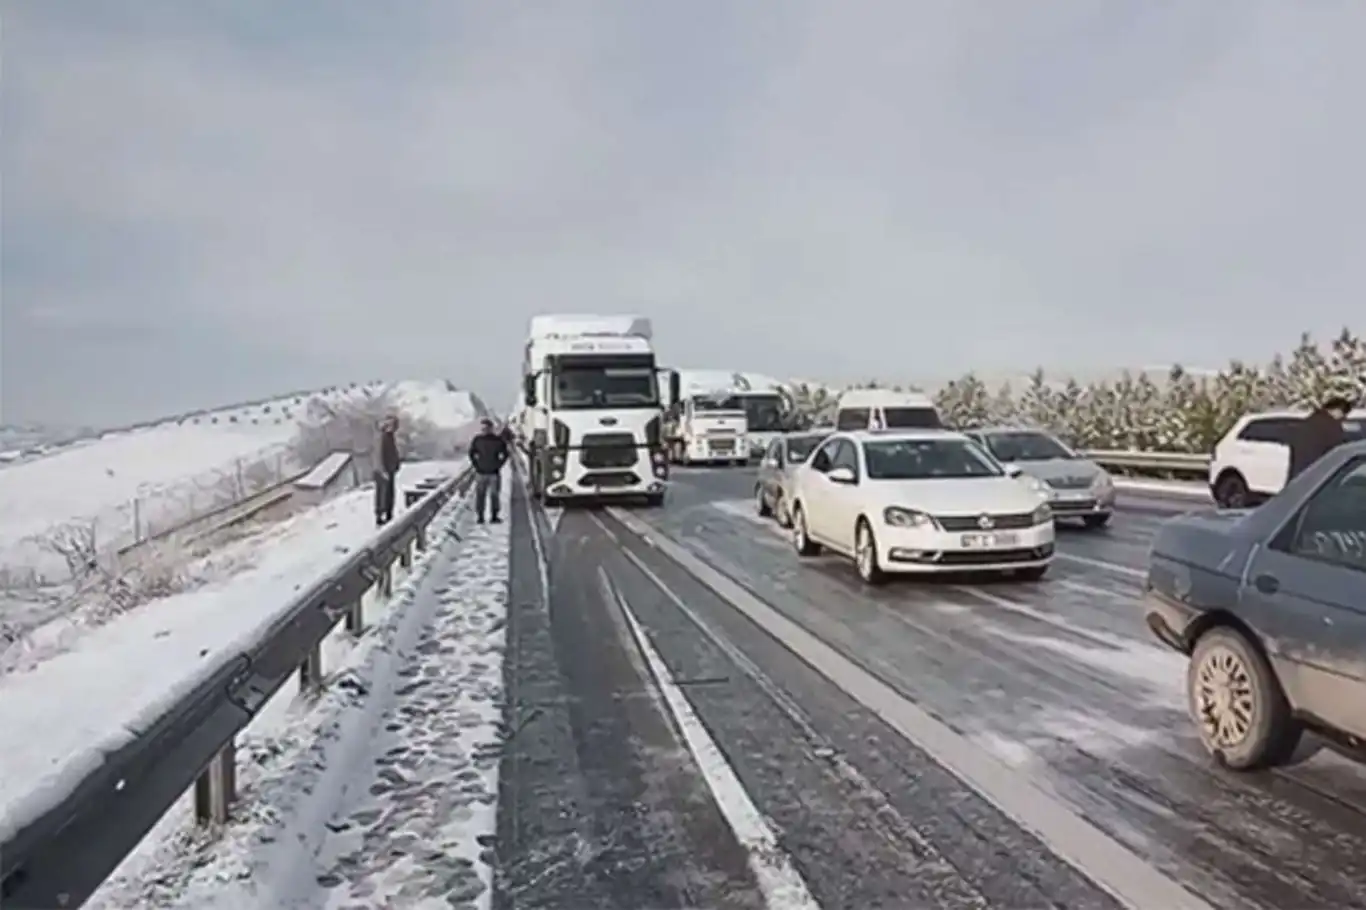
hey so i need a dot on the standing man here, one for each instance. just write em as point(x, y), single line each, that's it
point(1317, 435)
point(387, 471)
point(488, 453)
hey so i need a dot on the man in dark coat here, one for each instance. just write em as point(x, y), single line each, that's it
point(387, 472)
point(1317, 435)
point(489, 451)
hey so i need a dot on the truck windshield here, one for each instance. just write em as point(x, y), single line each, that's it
point(585, 387)
point(764, 413)
point(717, 403)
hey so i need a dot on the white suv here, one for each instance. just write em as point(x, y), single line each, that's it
point(1250, 463)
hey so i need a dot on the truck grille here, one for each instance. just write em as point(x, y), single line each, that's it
point(608, 450)
point(998, 522)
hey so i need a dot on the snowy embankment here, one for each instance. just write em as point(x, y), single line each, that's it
point(110, 681)
point(383, 792)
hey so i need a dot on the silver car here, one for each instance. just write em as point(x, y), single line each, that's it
point(1079, 488)
point(775, 471)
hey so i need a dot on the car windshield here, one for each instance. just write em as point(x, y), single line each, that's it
point(764, 413)
point(927, 459)
point(912, 419)
point(717, 403)
point(606, 387)
point(1026, 446)
point(799, 447)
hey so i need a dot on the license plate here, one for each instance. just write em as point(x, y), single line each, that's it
point(1076, 495)
point(989, 541)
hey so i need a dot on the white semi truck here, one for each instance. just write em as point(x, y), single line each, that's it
point(594, 410)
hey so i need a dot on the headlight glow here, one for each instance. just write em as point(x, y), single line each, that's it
point(897, 517)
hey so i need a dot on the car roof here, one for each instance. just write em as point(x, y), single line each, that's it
point(990, 431)
point(1354, 414)
point(896, 433)
point(886, 398)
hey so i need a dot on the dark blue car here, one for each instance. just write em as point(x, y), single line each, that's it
point(1270, 605)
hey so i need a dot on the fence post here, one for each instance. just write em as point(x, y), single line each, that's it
point(215, 790)
point(355, 616)
point(241, 482)
point(311, 670)
point(137, 520)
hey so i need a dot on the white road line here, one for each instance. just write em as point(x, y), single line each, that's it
point(1102, 564)
point(1101, 858)
point(779, 881)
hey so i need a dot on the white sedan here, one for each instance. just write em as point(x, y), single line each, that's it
point(920, 501)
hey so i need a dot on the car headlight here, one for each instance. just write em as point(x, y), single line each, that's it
point(1038, 486)
point(1043, 514)
point(1102, 481)
point(897, 517)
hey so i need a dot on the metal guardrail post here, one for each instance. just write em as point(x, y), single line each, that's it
point(215, 790)
point(386, 582)
point(355, 617)
point(311, 670)
point(405, 555)
point(420, 541)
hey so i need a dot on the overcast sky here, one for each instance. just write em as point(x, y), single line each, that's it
point(209, 201)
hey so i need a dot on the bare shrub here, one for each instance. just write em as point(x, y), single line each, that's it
point(352, 425)
point(77, 545)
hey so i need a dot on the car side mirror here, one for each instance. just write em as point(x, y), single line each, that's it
point(1014, 470)
point(842, 474)
point(529, 391)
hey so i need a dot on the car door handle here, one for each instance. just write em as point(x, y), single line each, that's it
point(1267, 584)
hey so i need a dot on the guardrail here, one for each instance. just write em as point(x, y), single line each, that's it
point(60, 858)
point(1154, 463)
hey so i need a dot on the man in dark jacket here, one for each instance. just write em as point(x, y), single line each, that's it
point(387, 472)
point(1317, 435)
point(488, 453)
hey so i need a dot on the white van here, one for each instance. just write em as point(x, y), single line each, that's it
point(884, 409)
point(1250, 463)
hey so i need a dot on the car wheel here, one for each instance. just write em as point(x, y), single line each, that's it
point(1239, 708)
point(800, 541)
point(761, 502)
point(1033, 573)
point(1095, 522)
point(784, 516)
point(865, 555)
point(1231, 491)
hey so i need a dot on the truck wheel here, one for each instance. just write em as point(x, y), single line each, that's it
point(1239, 708)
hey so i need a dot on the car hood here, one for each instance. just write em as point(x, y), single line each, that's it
point(1061, 469)
point(971, 496)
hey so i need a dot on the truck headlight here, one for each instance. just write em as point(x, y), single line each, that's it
point(897, 517)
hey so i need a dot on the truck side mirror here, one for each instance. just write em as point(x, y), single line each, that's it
point(675, 386)
point(529, 390)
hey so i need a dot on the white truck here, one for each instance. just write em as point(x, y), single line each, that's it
point(707, 427)
point(769, 413)
point(594, 413)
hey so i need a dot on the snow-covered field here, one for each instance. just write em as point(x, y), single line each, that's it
point(376, 795)
point(106, 682)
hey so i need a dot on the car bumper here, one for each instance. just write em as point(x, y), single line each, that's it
point(918, 551)
point(1168, 620)
point(1081, 503)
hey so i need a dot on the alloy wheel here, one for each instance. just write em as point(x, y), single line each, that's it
point(1225, 698)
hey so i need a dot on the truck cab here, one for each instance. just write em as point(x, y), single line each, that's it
point(708, 428)
point(769, 414)
point(595, 412)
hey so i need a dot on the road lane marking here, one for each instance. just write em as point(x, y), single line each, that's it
point(779, 881)
point(1087, 848)
point(1102, 564)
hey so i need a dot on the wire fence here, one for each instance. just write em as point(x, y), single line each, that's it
point(68, 548)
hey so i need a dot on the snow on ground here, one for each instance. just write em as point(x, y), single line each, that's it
point(382, 794)
point(115, 677)
point(436, 401)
